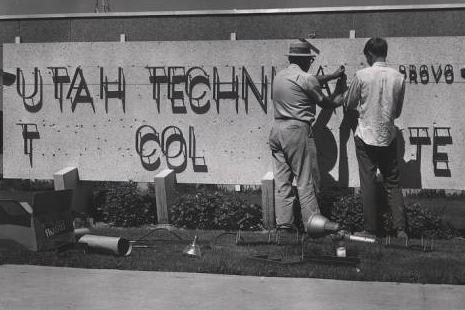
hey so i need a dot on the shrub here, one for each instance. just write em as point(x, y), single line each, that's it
point(347, 210)
point(422, 222)
point(215, 210)
point(125, 205)
point(26, 185)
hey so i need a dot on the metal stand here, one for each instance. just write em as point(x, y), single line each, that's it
point(237, 234)
point(327, 259)
point(143, 242)
point(426, 245)
point(352, 261)
point(240, 241)
point(286, 227)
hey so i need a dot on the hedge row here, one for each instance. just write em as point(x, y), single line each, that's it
point(348, 211)
point(125, 205)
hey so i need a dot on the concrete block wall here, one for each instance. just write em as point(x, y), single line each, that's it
point(405, 23)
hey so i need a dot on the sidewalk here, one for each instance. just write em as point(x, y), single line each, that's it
point(48, 288)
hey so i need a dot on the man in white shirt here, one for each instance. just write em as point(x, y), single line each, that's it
point(377, 93)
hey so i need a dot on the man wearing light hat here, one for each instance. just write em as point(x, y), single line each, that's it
point(295, 96)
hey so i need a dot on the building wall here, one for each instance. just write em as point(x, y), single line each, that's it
point(446, 22)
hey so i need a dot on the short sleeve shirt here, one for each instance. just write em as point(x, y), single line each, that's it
point(295, 94)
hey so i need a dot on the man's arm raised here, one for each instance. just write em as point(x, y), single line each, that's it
point(326, 78)
point(336, 99)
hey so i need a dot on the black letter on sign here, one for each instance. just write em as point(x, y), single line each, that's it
point(150, 137)
point(120, 93)
point(29, 136)
point(325, 85)
point(441, 137)
point(273, 74)
point(78, 98)
point(403, 70)
point(156, 81)
point(38, 87)
point(173, 94)
point(413, 74)
point(449, 74)
point(175, 136)
point(424, 74)
point(218, 94)
point(437, 74)
point(193, 153)
point(419, 136)
point(261, 97)
point(191, 83)
point(58, 81)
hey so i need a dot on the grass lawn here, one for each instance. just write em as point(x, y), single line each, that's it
point(445, 264)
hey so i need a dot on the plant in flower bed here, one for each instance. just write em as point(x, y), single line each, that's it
point(125, 205)
point(26, 185)
point(422, 222)
point(347, 209)
point(206, 209)
point(343, 208)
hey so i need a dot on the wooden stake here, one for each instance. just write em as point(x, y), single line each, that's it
point(164, 193)
point(268, 213)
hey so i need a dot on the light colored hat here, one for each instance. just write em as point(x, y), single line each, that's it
point(300, 49)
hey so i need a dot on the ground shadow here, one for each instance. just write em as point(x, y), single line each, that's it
point(348, 124)
point(411, 170)
point(326, 148)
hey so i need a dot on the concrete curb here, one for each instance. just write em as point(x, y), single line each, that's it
point(48, 288)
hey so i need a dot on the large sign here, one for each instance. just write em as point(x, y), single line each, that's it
point(125, 111)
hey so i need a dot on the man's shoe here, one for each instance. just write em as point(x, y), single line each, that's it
point(402, 234)
point(365, 233)
point(286, 233)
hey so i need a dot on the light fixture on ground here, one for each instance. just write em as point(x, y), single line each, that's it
point(193, 249)
point(318, 225)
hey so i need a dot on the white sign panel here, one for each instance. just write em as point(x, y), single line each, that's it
point(126, 110)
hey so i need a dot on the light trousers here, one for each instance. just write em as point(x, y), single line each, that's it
point(294, 156)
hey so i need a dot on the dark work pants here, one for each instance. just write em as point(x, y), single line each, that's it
point(294, 156)
point(370, 158)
